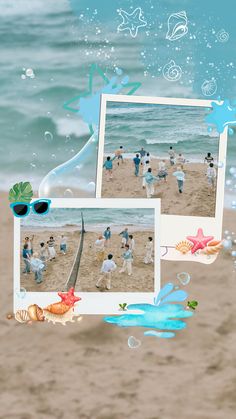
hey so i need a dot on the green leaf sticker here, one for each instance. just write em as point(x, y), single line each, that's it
point(21, 192)
point(192, 304)
point(123, 306)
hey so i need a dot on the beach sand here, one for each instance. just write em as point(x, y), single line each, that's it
point(193, 201)
point(86, 370)
point(142, 279)
point(58, 270)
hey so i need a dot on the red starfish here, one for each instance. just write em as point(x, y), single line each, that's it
point(199, 241)
point(69, 298)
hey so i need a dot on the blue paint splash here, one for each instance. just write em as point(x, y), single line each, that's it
point(160, 315)
point(222, 116)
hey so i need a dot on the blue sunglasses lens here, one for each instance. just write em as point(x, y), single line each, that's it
point(20, 209)
point(41, 207)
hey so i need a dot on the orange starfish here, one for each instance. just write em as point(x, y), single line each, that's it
point(69, 298)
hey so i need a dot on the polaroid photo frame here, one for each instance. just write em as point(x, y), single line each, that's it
point(174, 228)
point(91, 302)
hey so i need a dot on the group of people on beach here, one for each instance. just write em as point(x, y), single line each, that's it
point(36, 262)
point(176, 160)
point(108, 265)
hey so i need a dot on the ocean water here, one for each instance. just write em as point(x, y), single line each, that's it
point(157, 127)
point(52, 39)
point(99, 217)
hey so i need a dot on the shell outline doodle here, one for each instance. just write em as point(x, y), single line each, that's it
point(172, 71)
point(209, 87)
point(222, 36)
point(177, 26)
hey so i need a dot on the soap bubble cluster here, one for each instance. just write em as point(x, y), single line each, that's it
point(28, 73)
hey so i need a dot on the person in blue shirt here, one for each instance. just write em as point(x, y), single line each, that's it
point(136, 161)
point(125, 237)
point(150, 179)
point(26, 258)
point(108, 164)
point(180, 176)
point(107, 236)
point(127, 261)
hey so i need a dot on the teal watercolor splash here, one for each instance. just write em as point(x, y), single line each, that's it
point(161, 315)
point(222, 115)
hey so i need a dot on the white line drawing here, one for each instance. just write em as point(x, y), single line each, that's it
point(222, 36)
point(172, 71)
point(177, 26)
point(131, 21)
point(209, 87)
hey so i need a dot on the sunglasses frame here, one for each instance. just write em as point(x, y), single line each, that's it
point(29, 206)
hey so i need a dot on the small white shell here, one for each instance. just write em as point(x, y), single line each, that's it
point(177, 26)
point(22, 316)
point(209, 87)
point(59, 318)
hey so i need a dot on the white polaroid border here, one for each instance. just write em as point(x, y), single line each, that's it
point(91, 302)
point(174, 228)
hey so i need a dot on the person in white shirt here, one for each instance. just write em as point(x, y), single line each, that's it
point(211, 177)
point(146, 166)
point(162, 172)
point(149, 251)
point(100, 249)
point(37, 267)
point(43, 254)
point(131, 243)
point(180, 160)
point(108, 267)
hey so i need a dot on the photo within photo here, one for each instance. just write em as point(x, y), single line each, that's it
point(95, 249)
point(160, 151)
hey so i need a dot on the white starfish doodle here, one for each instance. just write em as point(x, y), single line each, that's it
point(131, 21)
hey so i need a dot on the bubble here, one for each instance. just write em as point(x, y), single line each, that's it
point(33, 165)
point(91, 187)
point(32, 76)
point(23, 76)
point(228, 182)
point(133, 343)
point(68, 193)
point(226, 232)
point(233, 204)
point(227, 244)
point(232, 170)
point(209, 129)
point(29, 72)
point(48, 136)
point(20, 292)
point(233, 253)
point(183, 277)
point(53, 156)
point(220, 164)
point(118, 71)
point(34, 155)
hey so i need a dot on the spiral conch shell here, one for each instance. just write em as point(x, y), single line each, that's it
point(212, 248)
point(184, 247)
point(59, 318)
point(35, 313)
point(58, 308)
point(177, 26)
point(22, 316)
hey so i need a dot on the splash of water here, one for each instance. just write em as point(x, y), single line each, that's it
point(222, 115)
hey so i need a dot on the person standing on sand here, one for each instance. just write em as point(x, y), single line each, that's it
point(131, 243)
point(29, 242)
point(180, 176)
point(99, 249)
point(208, 159)
point(108, 267)
point(118, 155)
point(26, 258)
point(150, 179)
point(51, 248)
point(149, 251)
point(108, 164)
point(37, 267)
point(146, 166)
point(171, 153)
point(107, 236)
point(211, 177)
point(136, 161)
point(63, 244)
point(125, 237)
point(162, 172)
point(43, 254)
point(127, 261)
point(180, 161)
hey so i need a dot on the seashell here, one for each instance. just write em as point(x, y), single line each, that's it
point(177, 26)
point(58, 308)
point(59, 318)
point(171, 71)
point(209, 87)
point(36, 313)
point(212, 249)
point(222, 36)
point(22, 316)
point(214, 243)
point(184, 247)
